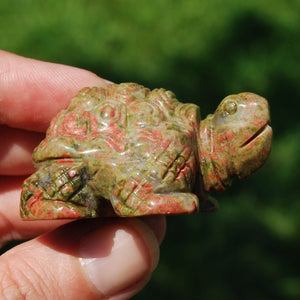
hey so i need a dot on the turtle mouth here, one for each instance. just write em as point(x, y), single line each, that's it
point(260, 133)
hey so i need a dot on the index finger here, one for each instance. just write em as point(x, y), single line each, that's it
point(32, 92)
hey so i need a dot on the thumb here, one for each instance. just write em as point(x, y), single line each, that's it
point(86, 259)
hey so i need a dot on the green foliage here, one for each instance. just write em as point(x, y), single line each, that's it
point(201, 50)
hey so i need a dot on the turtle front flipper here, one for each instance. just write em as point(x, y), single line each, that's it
point(58, 191)
point(140, 203)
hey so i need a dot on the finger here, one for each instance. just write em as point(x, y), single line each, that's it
point(16, 150)
point(12, 227)
point(91, 259)
point(32, 92)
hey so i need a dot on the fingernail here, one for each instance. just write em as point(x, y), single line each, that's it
point(116, 256)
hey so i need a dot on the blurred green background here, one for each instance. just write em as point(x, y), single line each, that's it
point(203, 51)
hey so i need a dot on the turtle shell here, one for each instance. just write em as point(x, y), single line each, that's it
point(111, 119)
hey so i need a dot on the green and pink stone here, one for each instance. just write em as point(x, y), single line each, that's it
point(129, 151)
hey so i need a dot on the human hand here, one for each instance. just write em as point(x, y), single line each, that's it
point(85, 259)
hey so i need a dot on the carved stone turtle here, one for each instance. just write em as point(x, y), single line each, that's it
point(129, 151)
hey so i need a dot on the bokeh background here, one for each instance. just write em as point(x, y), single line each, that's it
point(203, 51)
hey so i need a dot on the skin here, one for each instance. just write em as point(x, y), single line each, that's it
point(129, 151)
point(89, 254)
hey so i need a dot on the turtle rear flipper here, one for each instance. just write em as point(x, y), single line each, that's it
point(57, 191)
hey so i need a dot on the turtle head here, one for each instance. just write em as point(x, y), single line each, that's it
point(235, 140)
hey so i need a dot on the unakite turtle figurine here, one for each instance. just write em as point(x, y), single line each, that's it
point(129, 151)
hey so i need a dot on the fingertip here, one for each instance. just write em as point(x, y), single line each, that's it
point(86, 259)
point(124, 264)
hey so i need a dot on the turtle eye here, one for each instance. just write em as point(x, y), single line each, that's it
point(230, 107)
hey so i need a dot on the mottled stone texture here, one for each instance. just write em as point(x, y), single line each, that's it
point(129, 151)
